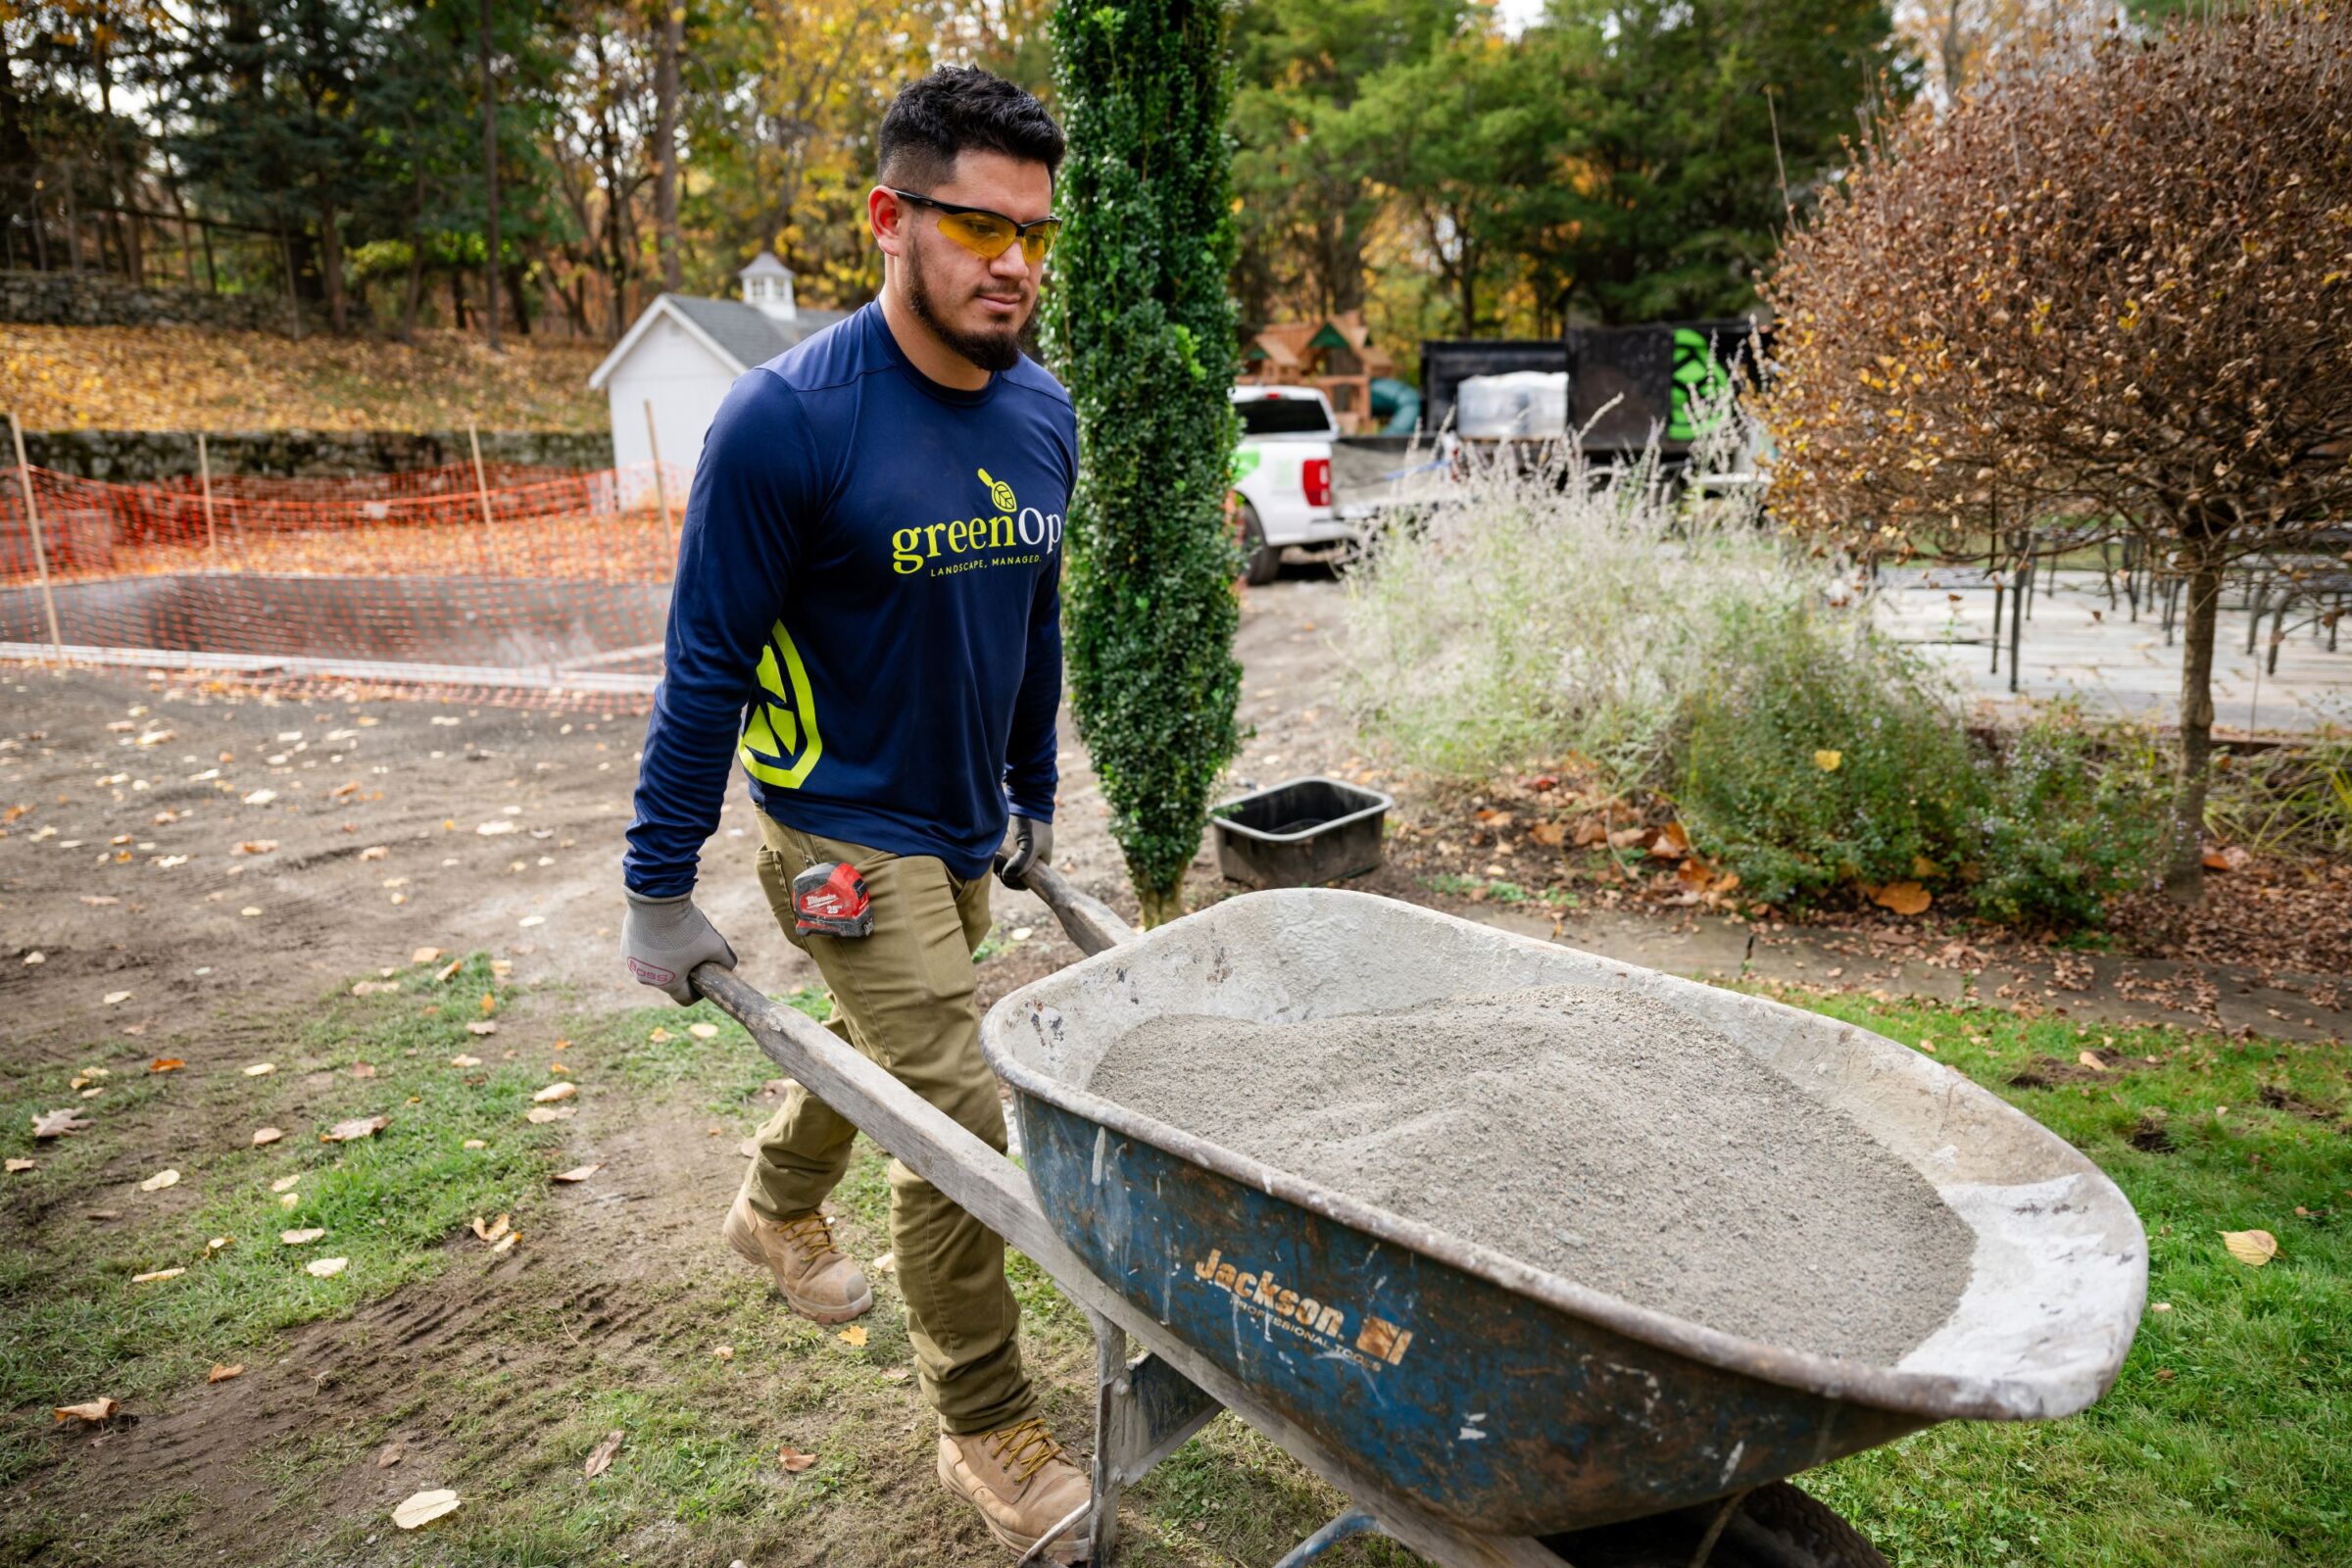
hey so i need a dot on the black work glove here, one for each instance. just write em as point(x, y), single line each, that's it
point(1027, 841)
point(663, 939)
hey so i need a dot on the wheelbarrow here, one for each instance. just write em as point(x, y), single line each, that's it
point(1475, 1407)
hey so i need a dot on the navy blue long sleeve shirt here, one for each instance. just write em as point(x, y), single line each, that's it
point(866, 614)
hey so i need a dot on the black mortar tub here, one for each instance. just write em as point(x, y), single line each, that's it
point(1300, 833)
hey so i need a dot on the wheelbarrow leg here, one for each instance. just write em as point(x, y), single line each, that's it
point(1144, 1411)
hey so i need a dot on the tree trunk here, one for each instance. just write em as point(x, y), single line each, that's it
point(518, 297)
point(670, 42)
point(413, 295)
point(2185, 872)
point(330, 272)
point(490, 257)
point(1160, 904)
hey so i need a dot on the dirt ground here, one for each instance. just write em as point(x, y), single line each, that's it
point(200, 876)
point(186, 872)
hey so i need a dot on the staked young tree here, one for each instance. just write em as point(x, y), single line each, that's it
point(2111, 297)
point(1137, 319)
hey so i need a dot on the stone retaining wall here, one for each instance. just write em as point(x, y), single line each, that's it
point(98, 299)
point(129, 456)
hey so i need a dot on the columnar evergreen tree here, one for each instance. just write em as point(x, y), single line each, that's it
point(1139, 324)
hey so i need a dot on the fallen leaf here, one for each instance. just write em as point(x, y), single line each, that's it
point(159, 1181)
point(853, 1336)
point(541, 1115)
point(285, 1183)
point(659, 1035)
point(2253, 1249)
point(260, 1069)
point(255, 847)
point(114, 997)
point(530, 921)
point(2090, 1060)
point(267, 1134)
point(554, 1091)
point(794, 1460)
point(222, 1374)
point(391, 1455)
point(482, 1026)
point(1829, 761)
point(15, 1166)
point(490, 1232)
point(579, 1173)
point(166, 1064)
point(493, 829)
point(35, 957)
point(599, 1457)
point(1904, 897)
point(300, 1238)
point(703, 1030)
point(1588, 832)
point(886, 1262)
point(723, 1352)
point(1625, 838)
point(261, 797)
point(506, 1243)
point(157, 1274)
point(896, 1374)
point(441, 975)
point(58, 1123)
point(1552, 835)
point(424, 954)
point(473, 1142)
point(215, 1245)
point(326, 1268)
point(465, 1061)
point(89, 1410)
point(343, 1132)
point(374, 851)
point(425, 1507)
point(1671, 842)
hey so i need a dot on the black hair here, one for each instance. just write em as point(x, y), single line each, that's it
point(957, 108)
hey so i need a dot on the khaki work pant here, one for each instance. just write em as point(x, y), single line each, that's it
point(902, 997)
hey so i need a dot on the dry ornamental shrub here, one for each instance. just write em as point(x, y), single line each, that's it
point(2111, 297)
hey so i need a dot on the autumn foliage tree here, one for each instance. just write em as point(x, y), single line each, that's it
point(2111, 298)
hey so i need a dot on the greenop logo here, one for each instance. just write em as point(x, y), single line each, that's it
point(1016, 535)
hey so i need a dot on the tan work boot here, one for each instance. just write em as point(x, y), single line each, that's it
point(1021, 1485)
point(817, 1280)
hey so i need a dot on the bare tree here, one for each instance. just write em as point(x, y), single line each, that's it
point(2115, 297)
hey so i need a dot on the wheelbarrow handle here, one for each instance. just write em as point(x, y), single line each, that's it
point(1090, 922)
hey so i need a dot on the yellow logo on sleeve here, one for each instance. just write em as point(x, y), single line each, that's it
point(780, 743)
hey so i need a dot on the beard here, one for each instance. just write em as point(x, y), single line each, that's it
point(998, 349)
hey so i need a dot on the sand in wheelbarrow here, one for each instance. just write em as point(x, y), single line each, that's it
point(1595, 1134)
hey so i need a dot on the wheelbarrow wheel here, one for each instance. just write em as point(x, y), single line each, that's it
point(1775, 1525)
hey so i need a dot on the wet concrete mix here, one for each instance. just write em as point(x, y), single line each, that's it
point(1595, 1134)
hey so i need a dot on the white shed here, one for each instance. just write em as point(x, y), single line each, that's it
point(684, 353)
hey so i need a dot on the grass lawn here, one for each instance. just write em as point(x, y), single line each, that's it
point(2222, 1443)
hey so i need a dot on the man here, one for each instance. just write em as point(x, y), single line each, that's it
point(866, 614)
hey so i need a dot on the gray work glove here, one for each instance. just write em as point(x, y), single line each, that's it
point(663, 939)
point(1027, 841)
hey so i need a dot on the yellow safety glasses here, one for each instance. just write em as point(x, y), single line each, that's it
point(988, 235)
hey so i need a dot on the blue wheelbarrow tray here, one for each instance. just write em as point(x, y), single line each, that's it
point(1494, 1394)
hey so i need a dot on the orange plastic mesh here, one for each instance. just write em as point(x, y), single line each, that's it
point(536, 585)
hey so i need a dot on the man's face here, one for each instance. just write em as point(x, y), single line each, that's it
point(975, 306)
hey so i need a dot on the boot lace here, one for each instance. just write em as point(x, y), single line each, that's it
point(812, 1233)
point(1023, 1449)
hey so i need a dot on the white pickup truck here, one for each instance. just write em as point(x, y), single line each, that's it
point(1282, 476)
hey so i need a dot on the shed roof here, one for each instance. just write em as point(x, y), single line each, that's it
point(741, 335)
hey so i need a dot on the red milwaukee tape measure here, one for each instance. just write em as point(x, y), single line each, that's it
point(831, 898)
